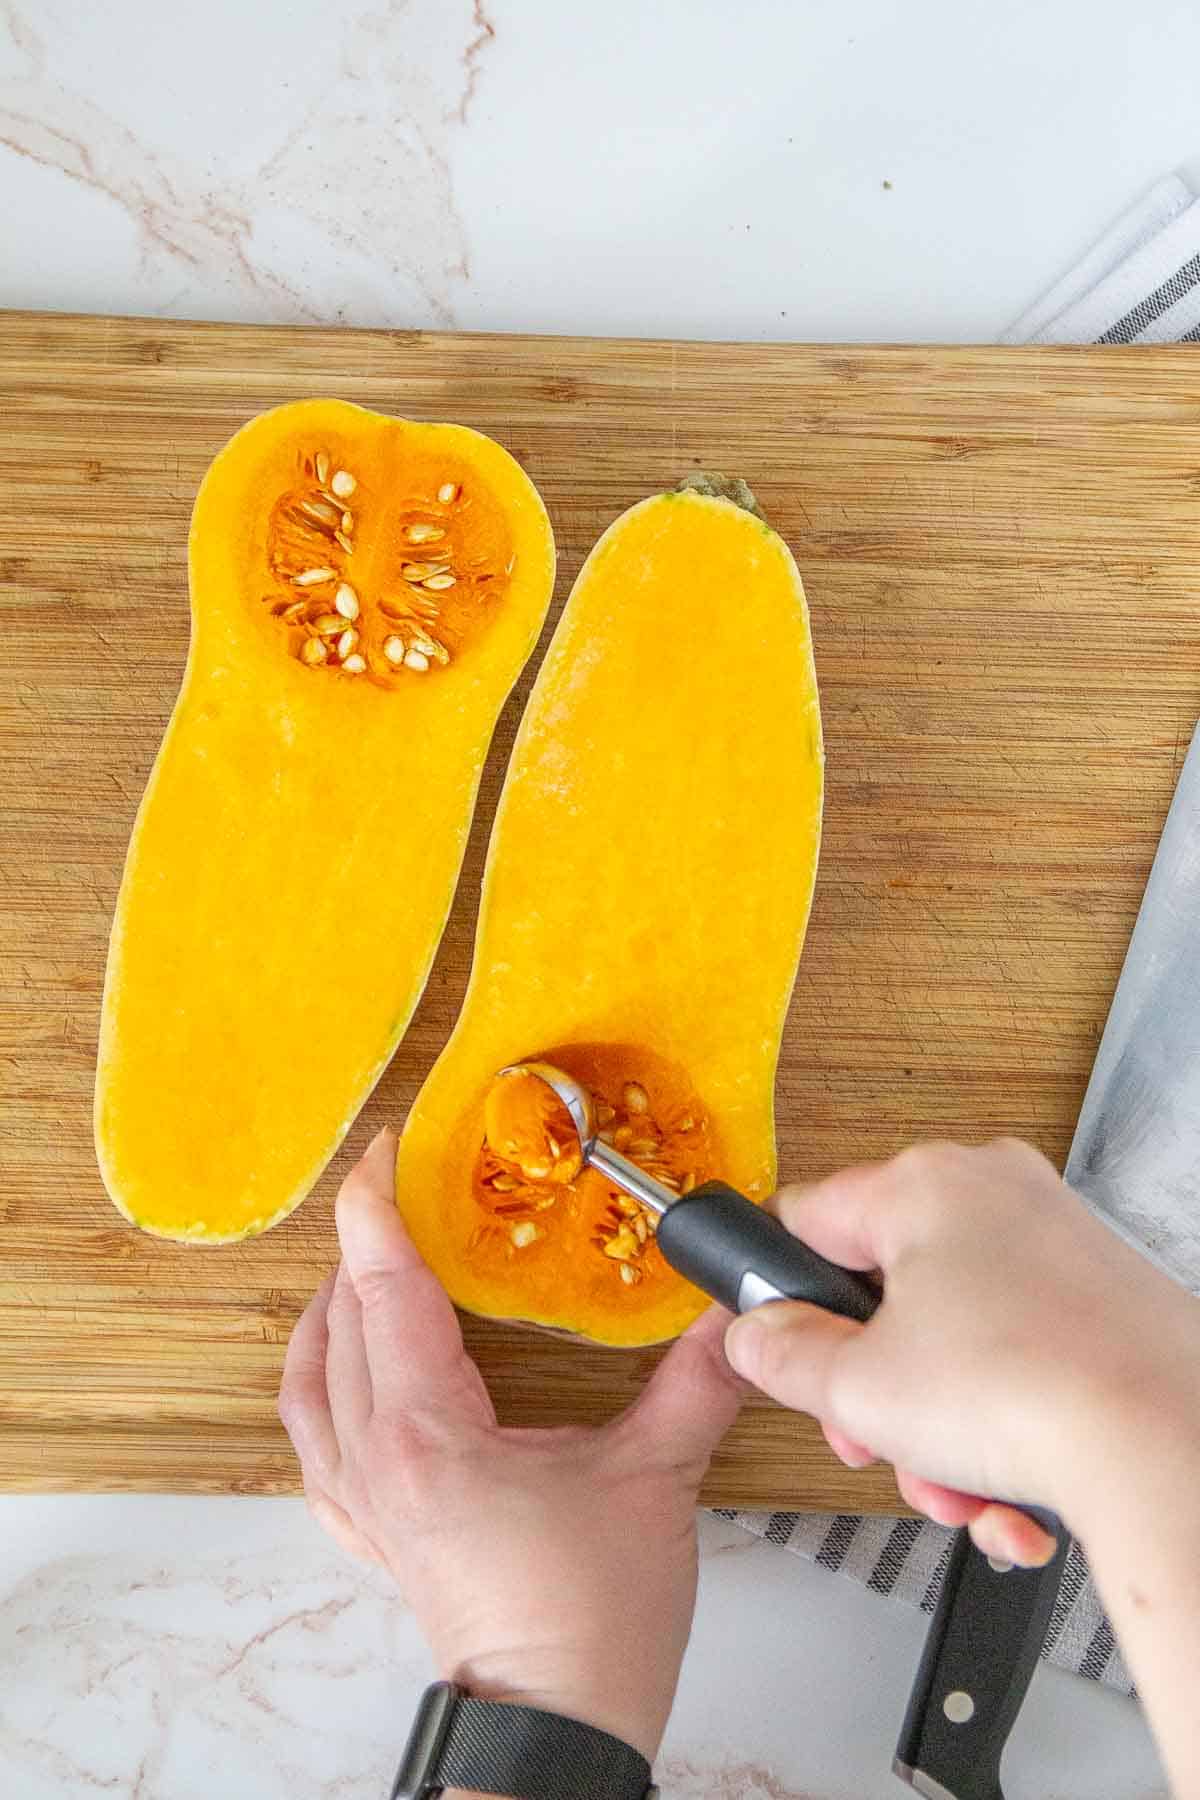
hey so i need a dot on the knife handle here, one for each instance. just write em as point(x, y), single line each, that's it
point(983, 1646)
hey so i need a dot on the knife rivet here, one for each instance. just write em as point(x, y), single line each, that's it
point(999, 1565)
point(958, 1707)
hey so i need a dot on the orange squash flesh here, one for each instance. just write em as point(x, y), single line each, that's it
point(296, 850)
point(644, 904)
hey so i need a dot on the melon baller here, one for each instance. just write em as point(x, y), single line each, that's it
point(714, 1236)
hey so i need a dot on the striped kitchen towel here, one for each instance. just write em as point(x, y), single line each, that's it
point(1139, 285)
point(906, 1559)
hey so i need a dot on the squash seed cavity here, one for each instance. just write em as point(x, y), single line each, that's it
point(528, 1167)
point(371, 587)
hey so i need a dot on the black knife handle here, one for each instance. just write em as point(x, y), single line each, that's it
point(983, 1645)
point(742, 1256)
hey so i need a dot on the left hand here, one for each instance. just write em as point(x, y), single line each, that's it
point(555, 1568)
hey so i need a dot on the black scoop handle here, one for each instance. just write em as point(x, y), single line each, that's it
point(742, 1256)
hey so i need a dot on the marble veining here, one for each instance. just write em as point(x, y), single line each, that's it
point(362, 174)
point(165, 1649)
point(138, 1674)
point(683, 1779)
point(134, 1675)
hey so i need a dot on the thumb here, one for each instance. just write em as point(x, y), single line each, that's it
point(790, 1349)
point(419, 1368)
point(690, 1401)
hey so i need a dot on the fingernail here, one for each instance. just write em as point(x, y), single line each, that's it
point(1008, 1538)
point(384, 1139)
point(745, 1336)
point(739, 1346)
point(1030, 1546)
point(987, 1536)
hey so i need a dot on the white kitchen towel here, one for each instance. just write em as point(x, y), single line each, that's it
point(1139, 285)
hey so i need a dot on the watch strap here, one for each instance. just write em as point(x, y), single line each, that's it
point(492, 1747)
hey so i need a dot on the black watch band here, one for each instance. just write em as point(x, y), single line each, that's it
point(495, 1748)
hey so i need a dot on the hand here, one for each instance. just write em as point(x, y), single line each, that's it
point(1016, 1352)
point(557, 1568)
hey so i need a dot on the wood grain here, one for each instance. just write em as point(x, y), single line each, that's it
point(1002, 554)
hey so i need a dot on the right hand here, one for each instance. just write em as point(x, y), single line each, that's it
point(1018, 1349)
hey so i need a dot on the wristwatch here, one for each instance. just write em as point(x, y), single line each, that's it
point(494, 1748)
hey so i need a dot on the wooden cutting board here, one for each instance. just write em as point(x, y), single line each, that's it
point(1002, 554)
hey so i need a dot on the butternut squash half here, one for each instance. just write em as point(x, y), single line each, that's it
point(365, 591)
point(644, 904)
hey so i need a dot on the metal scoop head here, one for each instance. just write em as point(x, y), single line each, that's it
point(572, 1093)
point(595, 1152)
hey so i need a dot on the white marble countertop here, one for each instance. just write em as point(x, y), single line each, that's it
point(175, 1649)
point(778, 169)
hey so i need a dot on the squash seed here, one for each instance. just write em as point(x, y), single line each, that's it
point(504, 1184)
point(346, 601)
point(421, 571)
point(312, 577)
point(524, 1234)
point(417, 660)
point(622, 1245)
point(343, 484)
point(422, 604)
point(439, 652)
point(347, 523)
point(346, 643)
point(312, 651)
point(448, 492)
point(339, 537)
point(322, 466)
point(635, 1097)
point(438, 583)
point(629, 1275)
point(329, 625)
point(354, 665)
point(420, 533)
point(393, 649)
point(319, 512)
point(688, 1182)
